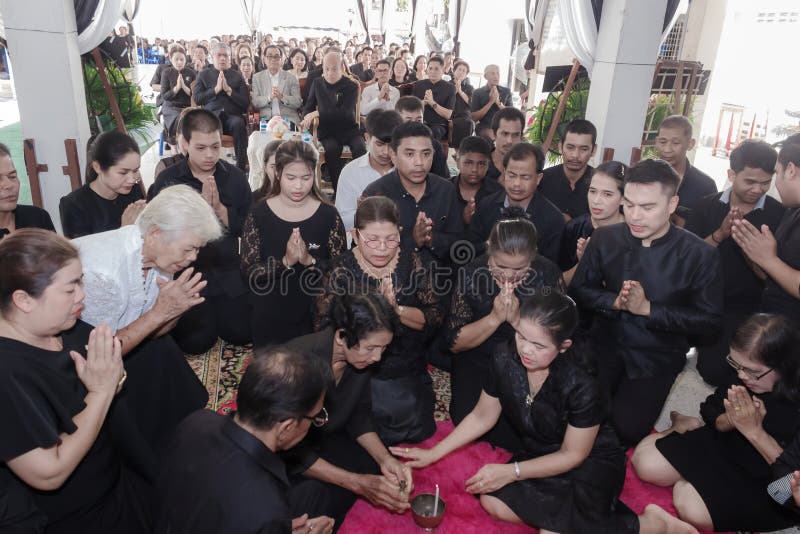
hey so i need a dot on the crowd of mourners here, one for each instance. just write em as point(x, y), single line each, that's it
point(562, 301)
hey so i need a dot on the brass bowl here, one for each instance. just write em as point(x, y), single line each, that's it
point(422, 511)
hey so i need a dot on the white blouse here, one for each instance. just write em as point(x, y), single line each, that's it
point(116, 291)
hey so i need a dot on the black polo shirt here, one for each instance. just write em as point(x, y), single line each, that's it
point(488, 187)
point(480, 97)
point(217, 477)
point(444, 93)
point(439, 202)
point(742, 287)
point(775, 299)
point(555, 186)
point(695, 185)
point(493, 172)
point(544, 214)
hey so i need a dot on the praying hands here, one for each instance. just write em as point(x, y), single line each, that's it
point(632, 299)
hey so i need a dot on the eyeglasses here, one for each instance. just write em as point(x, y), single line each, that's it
point(749, 372)
point(390, 243)
point(320, 419)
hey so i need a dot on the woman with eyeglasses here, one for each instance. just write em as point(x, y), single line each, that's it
point(485, 310)
point(402, 392)
point(288, 238)
point(331, 462)
point(720, 470)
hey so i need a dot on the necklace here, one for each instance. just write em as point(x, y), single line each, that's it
point(533, 390)
point(148, 275)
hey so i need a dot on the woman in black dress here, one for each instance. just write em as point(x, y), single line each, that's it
point(112, 195)
point(402, 392)
point(463, 125)
point(287, 240)
point(720, 471)
point(12, 215)
point(400, 73)
point(357, 331)
point(570, 473)
point(605, 199)
point(67, 475)
point(176, 89)
point(484, 310)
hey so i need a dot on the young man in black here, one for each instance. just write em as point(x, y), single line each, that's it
point(362, 70)
point(471, 183)
point(439, 97)
point(507, 125)
point(226, 311)
point(650, 286)
point(567, 185)
point(411, 109)
point(430, 215)
point(523, 171)
point(674, 140)
point(752, 166)
point(333, 98)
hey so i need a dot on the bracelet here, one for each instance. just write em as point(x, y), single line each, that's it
point(400, 311)
point(516, 470)
point(714, 239)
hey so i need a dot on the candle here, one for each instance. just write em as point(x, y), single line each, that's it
point(436, 501)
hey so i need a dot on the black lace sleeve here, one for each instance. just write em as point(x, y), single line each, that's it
point(337, 239)
point(257, 272)
point(459, 316)
point(428, 298)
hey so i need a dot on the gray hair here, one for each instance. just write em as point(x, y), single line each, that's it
point(180, 209)
point(220, 44)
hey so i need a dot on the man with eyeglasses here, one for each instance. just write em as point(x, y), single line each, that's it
point(276, 91)
point(380, 95)
point(523, 170)
point(223, 473)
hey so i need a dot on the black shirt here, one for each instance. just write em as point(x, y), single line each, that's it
point(169, 78)
point(682, 278)
point(365, 75)
point(488, 187)
point(575, 229)
point(695, 185)
point(555, 186)
point(444, 94)
point(544, 214)
point(218, 260)
point(217, 477)
point(84, 212)
point(462, 109)
point(742, 287)
point(336, 104)
point(29, 217)
point(439, 202)
point(439, 163)
point(493, 172)
point(775, 299)
point(204, 94)
point(481, 97)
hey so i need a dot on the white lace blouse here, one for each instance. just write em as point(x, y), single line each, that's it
point(116, 292)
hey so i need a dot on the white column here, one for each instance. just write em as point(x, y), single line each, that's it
point(50, 93)
point(627, 49)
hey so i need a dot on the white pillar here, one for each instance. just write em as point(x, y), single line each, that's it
point(625, 57)
point(50, 93)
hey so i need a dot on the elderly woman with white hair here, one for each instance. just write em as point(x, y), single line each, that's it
point(128, 281)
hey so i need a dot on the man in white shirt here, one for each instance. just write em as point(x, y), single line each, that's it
point(362, 171)
point(379, 95)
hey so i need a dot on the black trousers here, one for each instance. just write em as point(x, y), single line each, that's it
point(235, 126)
point(333, 145)
point(218, 317)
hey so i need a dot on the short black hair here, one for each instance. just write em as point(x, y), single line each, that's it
point(4, 151)
point(360, 314)
point(678, 121)
point(508, 114)
point(755, 154)
point(383, 62)
point(381, 123)
point(523, 151)
point(199, 120)
point(614, 169)
point(476, 145)
point(790, 150)
point(281, 384)
point(654, 171)
point(410, 129)
point(408, 103)
point(580, 127)
point(436, 59)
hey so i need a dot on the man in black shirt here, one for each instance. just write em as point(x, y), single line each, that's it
point(752, 167)
point(332, 99)
point(567, 185)
point(650, 286)
point(410, 109)
point(225, 312)
point(488, 100)
point(430, 215)
point(523, 171)
point(507, 125)
point(224, 92)
point(779, 255)
point(674, 140)
point(363, 70)
point(223, 474)
point(439, 97)
point(471, 183)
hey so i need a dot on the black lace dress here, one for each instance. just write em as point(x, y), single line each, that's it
point(283, 299)
point(584, 499)
point(473, 299)
point(402, 392)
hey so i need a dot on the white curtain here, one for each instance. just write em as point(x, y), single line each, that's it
point(452, 22)
point(535, 22)
point(105, 18)
point(251, 9)
point(580, 29)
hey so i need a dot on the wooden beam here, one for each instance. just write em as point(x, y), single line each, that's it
point(636, 155)
point(34, 168)
point(73, 166)
point(562, 103)
point(608, 154)
point(112, 99)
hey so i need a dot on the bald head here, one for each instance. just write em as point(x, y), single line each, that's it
point(492, 74)
point(332, 66)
